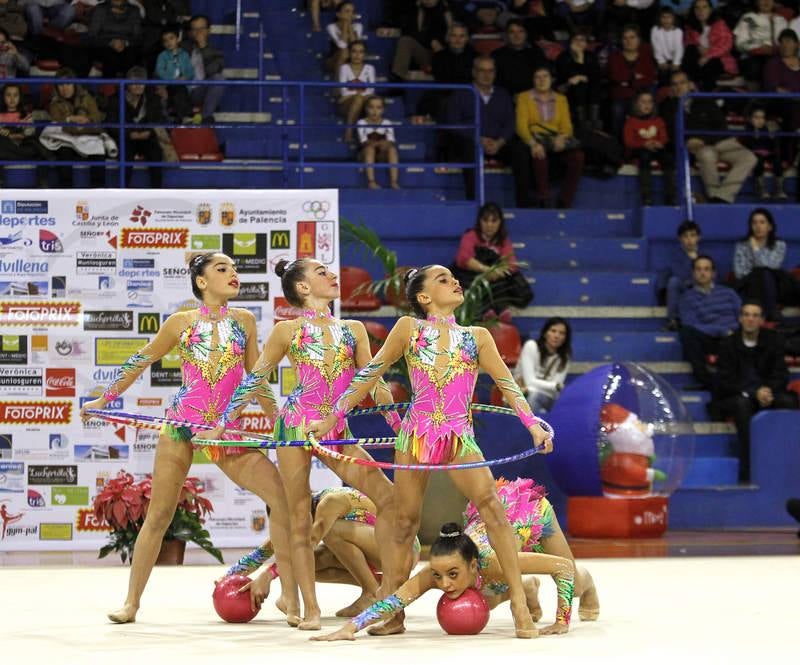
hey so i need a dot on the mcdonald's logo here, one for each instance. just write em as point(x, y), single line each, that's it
point(279, 239)
point(149, 323)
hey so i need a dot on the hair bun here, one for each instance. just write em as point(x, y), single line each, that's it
point(450, 530)
point(409, 275)
point(280, 268)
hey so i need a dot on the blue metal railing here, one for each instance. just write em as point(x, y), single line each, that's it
point(682, 158)
point(287, 163)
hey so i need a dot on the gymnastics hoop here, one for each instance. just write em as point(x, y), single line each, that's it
point(265, 442)
point(333, 454)
point(254, 440)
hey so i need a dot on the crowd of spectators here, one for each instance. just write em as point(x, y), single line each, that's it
point(133, 39)
point(610, 64)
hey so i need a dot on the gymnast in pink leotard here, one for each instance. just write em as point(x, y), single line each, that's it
point(216, 344)
point(325, 353)
point(443, 360)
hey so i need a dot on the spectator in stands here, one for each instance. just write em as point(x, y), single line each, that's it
point(782, 74)
point(544, 364)
point(115, 34)
point(142, 106)
point(496, 121)
point(73, 103)
point(752, 377)
point(708, 313)
point(342, 33)
point(782, 71)
point(793, 508)
point(377, 141)
point(317, 5)
point(454, 63)
point(486, 249)
point(16, 142)
point(423, 35)
point(584, 13)
point(174, 64)
point(12, 19)
point(630, 71)
point(579, 78)
point(59, 14)
point(480, 16)
point(517, 60)
point(160, 14)
point(704, 114)
point(757, 39)
point(646, 139)
point(351, 100)
point(667, 41)
point(641, 13)
point(545, 128)
point(758, 265)
point(766, 149)
point(708, 44)
point(209, 64)
point(450, 65)
point(12, 62)
point(677, 277)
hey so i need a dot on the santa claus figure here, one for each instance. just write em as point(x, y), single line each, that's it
point(626, 454)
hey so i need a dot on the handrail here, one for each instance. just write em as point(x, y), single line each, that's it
point(284, 86)
point(683, 166)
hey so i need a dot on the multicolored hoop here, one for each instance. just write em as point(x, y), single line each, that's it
point(487, 408)
point(252, 440)
point(262, 441)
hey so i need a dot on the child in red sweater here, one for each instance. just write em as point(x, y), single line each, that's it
point(645, 137)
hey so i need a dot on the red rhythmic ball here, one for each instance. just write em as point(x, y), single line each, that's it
point(466, 615)
point(231, 605)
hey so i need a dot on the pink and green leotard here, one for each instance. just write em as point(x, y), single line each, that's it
point(438, 424)
point(207, 384)
point(324, 371)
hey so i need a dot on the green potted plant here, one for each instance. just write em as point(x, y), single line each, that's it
point(122, 505)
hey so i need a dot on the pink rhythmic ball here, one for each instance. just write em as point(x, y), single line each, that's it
point(232, 606)
point(466, 615)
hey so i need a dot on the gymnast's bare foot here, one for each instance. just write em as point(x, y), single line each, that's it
point(589, 608)
point(127, 614)
point(292, 614)
point(357, 607)
point(555, 629)
point(523, 623)
point(393, 626)
point(531, 587)
point(311, 621)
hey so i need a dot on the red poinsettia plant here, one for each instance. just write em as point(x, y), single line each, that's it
point(122, 505)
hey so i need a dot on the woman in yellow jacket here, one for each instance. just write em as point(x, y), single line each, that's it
point(545, 131)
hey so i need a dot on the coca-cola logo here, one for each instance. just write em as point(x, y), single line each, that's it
point(105, 320)
point(60, 382)
point(36, 413)
point(283, 311)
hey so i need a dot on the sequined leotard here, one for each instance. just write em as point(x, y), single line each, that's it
point(252, 561)
point(439, 420)
point(210, 374)
point(531, 518)
point(319, 384)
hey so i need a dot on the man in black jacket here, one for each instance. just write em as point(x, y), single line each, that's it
point(704, 114)
point(751, 377)
point(517, 60)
